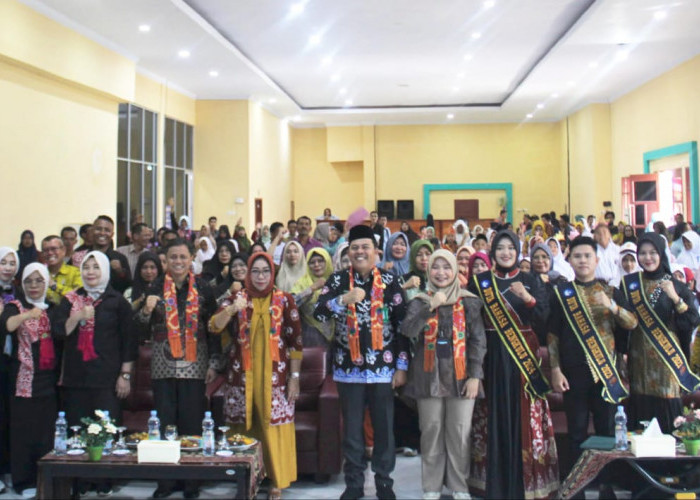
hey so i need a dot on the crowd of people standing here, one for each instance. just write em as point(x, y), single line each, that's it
point(452, 324)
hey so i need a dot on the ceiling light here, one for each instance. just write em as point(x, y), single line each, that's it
point(571, 83)
point(461, 75)
point(348, 102)
point(296, 118)
point(450, 116)
point(554, 95)
point(315, 39)
point(476, 35)
point(144, 28)
point(529, 115)
point(213, 73)
point(622, 54)
point(342, 91)
point(327, 60)
point(296, 8)
point(184, 54)
point(468, 57)
point(335, 77)
point(489, 3)
point(455, 89)
point(540, 106)
point(272, 100)
point(660, 14)
point(593, 65)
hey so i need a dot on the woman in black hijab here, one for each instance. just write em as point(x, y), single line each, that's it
point(27, 250)
point(217, 270)
point(513, 452)
point(148, 270)
point(224, 235)
point(654, 390)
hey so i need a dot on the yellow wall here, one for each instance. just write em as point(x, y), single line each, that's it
point(660, 113)
point(318, 184)
point(37, 41)
point(590, 159)
point(58, 148)
point(221, 155)
point(270, 171)
point(60, 92)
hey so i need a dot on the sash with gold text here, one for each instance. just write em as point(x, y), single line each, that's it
point(511, 336)
point(656, 332)
point(587, 335)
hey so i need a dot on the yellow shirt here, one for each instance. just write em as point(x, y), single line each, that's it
point(66, 279)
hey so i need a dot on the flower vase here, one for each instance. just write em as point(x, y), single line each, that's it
point(692, 447)
point(95, 453)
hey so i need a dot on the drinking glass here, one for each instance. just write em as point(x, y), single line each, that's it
point(121, 443)
point(75, 440)
point(223, 442)
point(171, 432)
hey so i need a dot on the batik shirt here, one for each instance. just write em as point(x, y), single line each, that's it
point(376, 366)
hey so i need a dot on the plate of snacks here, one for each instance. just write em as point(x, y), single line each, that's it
point(133, 439)
point(239, 442)
point(191, 443)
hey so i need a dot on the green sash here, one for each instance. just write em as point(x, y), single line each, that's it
point(585, 332)
point(656, 332)
point(511, 336)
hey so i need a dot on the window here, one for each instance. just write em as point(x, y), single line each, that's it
point(179, 174)
point(136, 168)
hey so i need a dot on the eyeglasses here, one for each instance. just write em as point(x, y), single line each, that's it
point(38, 281)
point(260, 272)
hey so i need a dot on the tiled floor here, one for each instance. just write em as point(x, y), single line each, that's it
point(406, 485)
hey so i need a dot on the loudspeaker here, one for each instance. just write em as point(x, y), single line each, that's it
point(404, 209)
point(386, 208)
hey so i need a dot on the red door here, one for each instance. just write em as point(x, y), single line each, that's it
point(644, 200)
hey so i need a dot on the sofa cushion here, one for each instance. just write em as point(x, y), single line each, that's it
point(306, 426)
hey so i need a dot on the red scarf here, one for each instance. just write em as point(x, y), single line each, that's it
point(376, 314)
point(172, 320)
point(459, 346)
point(276, 312)
point(86, 330)
point(28, 333)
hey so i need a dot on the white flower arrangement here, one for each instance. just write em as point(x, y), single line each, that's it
point(97, 431)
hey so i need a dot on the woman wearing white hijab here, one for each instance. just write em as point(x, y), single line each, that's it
point(293, 266)
point(205, 251)
point(100, 345)
point(690, 256)
point(559, 264)
point(628, 259)
point(32, 376)
point(461, 238)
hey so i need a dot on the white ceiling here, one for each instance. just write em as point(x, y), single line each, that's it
point(396, 61)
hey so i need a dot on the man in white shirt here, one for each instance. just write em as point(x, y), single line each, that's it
point(141, 236)
point(608, 268)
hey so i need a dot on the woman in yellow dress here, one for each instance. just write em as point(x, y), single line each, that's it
point(262, 376)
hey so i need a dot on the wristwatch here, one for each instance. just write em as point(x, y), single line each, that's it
point(295, 374)
point(125, 375)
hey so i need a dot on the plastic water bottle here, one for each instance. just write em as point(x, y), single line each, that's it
point(207, 435)
point(620, 429)
point(154, 426)
point(61, 436)
point(108, 444)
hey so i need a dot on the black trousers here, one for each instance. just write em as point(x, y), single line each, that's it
point(79, 402)
point(180, 402)
point(582, 399)
point(4, 421)
point(380, 400)
point(32, 424)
